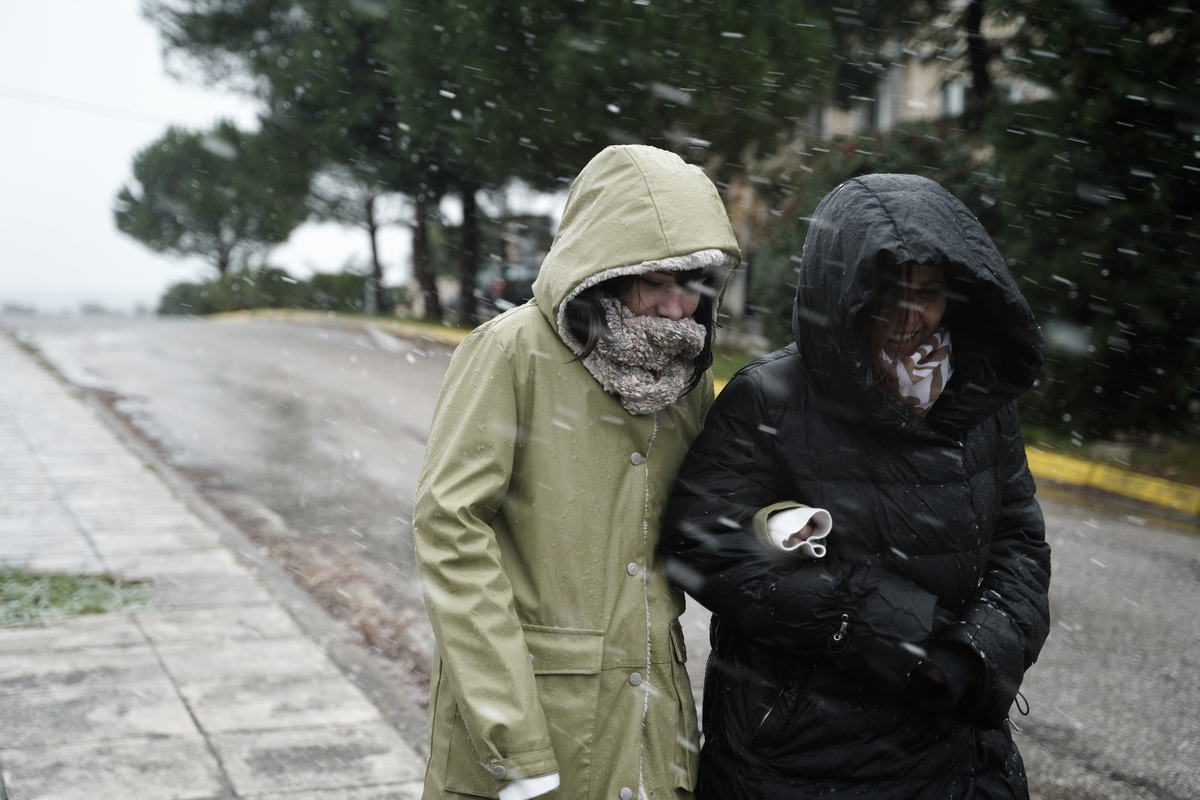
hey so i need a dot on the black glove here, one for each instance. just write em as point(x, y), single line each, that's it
point(959, 670)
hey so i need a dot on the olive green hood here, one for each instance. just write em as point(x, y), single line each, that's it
point(634, 209)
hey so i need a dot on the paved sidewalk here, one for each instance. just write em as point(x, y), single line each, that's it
point(211, 691)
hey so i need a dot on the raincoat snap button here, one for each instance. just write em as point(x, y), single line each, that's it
point(632, 569)
point(626, 793)
point(635, 679)
point(635, 459)
point(499, 772)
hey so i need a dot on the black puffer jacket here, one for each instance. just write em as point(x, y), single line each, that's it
point(938, 552)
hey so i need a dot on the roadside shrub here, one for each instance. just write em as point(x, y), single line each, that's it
point(271, 287)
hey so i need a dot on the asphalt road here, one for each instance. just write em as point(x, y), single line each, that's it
point(311, 439)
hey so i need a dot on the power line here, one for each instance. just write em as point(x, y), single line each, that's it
point(83, 107)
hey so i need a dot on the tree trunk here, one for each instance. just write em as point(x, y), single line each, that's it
point(979, 56)
point(374, 299)
point(431, 304)
point(468, 269)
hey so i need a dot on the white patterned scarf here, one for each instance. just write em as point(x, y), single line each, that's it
point(646, 361)
point(917, 380)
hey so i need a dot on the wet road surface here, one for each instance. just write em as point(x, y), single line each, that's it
point(311, 439)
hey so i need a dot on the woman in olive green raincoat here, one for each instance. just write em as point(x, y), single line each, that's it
point(561, 424)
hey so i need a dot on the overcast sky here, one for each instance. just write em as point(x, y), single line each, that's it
point(82, 90)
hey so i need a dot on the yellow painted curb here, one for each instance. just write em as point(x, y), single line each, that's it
point(404, 328)
point(1077, 471)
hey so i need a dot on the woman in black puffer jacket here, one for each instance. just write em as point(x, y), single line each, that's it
point(887, 668)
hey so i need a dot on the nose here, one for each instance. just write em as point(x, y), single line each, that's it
point(672, 305)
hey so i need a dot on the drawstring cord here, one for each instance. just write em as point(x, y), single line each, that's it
point(1019, 700)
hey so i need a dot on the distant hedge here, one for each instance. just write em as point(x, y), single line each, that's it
point(271, 287)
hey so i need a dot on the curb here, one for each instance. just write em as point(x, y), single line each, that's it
point(1080, 472)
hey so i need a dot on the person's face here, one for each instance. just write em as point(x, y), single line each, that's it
point(659, 294)
point(917, 314)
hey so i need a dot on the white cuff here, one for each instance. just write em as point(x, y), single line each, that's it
point(526, 788)
point(783, 524)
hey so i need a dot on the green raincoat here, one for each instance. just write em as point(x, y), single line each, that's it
point(537, 523)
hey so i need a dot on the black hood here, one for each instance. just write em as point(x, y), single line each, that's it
point(874, 222)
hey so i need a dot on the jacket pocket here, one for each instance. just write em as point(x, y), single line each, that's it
point(687, 734)
point(782, 710)
point(566, 665)
point(564, 651)
point(770, 717)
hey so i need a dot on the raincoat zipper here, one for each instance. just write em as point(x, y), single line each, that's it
point(766, 715)
point(837, 643)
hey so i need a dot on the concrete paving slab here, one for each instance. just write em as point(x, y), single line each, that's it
point(145, 769)
point(69, 564)
point(67, 535)
point(98, 483)
point(17, 490)
point(225, 662)
point(75, 715)
point(132, 521)
point(265, 621)
point(205, 589)
point(26, 505)
point(47, 543)
point(96, 668)
point(90, 631)
point(163, 540)
point(143, 492)
point(81, 465)
point(209, 560)
point(132, 524)
point(274, 705)
point(316, 758)
point(144, 487)
point(112, 503)
point(399, 791)
point(56, 544)
point(50, 519)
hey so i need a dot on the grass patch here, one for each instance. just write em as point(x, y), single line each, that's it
point(32, 598)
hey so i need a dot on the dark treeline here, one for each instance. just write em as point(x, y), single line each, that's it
point(1077, 144)
point(1089, 185)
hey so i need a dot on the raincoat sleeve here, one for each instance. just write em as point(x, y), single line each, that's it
point(464, 479)
point(1008, 619)
point(872, 623)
